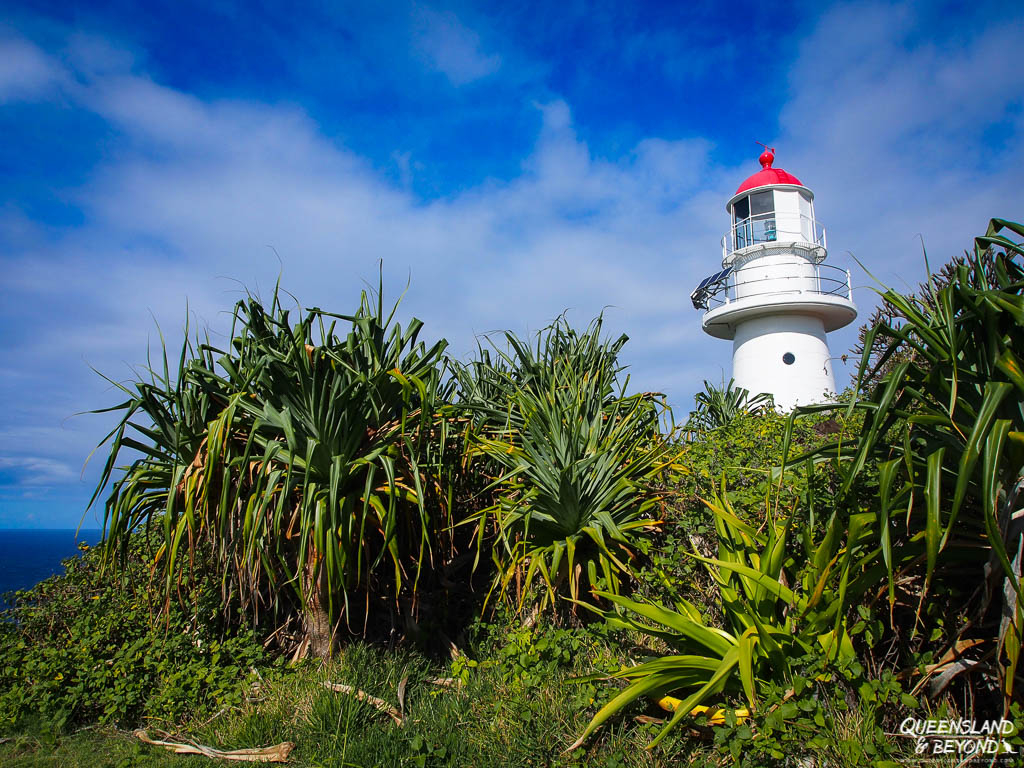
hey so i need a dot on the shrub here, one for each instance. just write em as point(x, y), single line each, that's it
point(748, 455)
point(774, 609)
point(944, 430)
point(84, 647)
point(717, 408)
point(309, 463)
point(573, 459)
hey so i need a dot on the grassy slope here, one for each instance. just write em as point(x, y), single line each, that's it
point(495, 719)
point(492, 720)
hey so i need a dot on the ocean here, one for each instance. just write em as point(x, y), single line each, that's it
point(29, 556)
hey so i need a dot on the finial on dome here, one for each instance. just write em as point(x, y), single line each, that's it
point(767, 157)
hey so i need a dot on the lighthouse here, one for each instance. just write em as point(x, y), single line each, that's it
point(774, 297)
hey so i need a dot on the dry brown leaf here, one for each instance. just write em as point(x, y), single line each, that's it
point(302, 651)
point(275, 754)
point(445, 682)
point(648, 720)
point(950, 658)
point(401, 694)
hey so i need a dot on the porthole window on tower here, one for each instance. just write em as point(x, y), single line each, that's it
point(788, 358)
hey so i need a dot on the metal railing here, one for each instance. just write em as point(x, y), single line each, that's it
point(816, 280)
point(771, 228)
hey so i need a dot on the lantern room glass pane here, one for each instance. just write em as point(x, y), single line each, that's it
point(741, 222)
point(762, 216)
point(806, 219)
point(761, 203)
point(741, 210)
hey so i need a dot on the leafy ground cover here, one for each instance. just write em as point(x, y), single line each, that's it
point(514, 704)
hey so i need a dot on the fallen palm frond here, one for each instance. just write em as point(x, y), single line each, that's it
point(713, 715)
point(373, 701)
point(275, 754)
point(446, 682)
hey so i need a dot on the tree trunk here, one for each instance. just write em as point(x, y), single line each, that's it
point(316, 622)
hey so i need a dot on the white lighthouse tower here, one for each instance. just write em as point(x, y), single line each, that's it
point(775, 298)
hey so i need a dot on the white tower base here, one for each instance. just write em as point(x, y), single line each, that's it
point(786, 355)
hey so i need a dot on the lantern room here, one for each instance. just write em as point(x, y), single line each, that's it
point(772, 206)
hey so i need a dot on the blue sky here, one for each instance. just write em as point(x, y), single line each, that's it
point(511, 160)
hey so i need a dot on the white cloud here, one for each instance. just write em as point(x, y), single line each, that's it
point(36, 470)
point(26, 72)
point(890, 128)
point(198, 190)
point(452, 48)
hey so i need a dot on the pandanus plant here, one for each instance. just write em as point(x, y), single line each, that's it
point(308, 461)
point(776, 610)
point(944, 428)
point(572, 456)
point(718, 407)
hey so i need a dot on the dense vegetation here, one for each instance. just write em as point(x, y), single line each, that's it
point(519, 557)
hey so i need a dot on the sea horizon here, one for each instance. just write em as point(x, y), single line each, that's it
point(30, 555)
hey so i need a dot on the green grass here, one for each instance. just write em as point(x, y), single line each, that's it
point(503, 714)
point(87, 749)
point(495, 718)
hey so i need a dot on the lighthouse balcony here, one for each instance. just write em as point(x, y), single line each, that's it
point(771, 231)
point(796, 286)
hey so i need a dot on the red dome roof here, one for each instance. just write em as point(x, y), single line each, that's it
point(768, 175)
